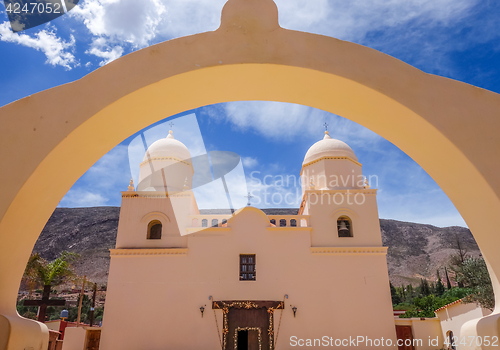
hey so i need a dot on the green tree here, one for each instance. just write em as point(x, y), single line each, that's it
point(394, 295)
point(40, 272)
point(402, 293)
point(424, 288)
point(473, 274)
point(410, 292)
point(439, 290)
point(448, 282)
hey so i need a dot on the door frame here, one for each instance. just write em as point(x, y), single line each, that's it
point(226, 305)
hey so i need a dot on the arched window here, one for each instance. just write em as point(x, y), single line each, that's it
point(154, 230)
point(215, 223)
point(344, 226)
point(293, 223)
point(204, 223)
point(273, 222)
point(282, 222)
point(451, 340)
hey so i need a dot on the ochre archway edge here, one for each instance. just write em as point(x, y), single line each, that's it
point(51, 138)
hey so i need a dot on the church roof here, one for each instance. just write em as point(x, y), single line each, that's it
point(329, 147)
point(168, 147)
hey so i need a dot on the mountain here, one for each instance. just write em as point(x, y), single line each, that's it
point(415, 250)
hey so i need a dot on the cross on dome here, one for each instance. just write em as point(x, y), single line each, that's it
point(249, 196)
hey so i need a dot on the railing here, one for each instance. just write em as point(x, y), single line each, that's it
point(289, 220)
point(274, 220)
point(209, 220)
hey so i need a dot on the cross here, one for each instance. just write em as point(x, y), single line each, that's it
point(171, 125)
point(326, 126)
point(44, 302)
point(249, 196)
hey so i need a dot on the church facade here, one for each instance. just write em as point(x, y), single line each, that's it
point(184, 278)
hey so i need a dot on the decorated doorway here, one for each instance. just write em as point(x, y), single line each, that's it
point(248, 325)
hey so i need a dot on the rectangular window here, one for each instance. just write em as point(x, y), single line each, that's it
point(247, 267)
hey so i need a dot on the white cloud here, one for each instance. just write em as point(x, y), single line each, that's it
point(55, 49)
point(82, 198)
point(101, 49)
point(144, 22)
point(352, 20)
point(118, 26)
point(249, 162)
point(130, 21)
point(286, 122)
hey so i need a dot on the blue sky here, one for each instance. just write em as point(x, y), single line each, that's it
point(458, 39)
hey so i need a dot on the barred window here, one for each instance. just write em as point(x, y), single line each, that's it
point(247, 267)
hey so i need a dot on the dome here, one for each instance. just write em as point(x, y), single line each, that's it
point(168, 147)
point(329, 147)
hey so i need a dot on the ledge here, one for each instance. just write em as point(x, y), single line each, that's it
point(207, 230)
point(148, 251)
point(285, 228)
point(348, 250)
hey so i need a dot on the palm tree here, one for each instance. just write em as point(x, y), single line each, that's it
point(40, 272)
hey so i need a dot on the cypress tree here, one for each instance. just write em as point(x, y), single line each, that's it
point(394, 295)
point(439, 285)
point(448, 282)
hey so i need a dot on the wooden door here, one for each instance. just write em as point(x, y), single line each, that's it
point(247, 324)
point(93, 338)
point(255, 321)
point(253, 339)
point(404, 333)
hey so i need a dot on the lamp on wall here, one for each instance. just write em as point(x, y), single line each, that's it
point(202, 309)
point(294, 309)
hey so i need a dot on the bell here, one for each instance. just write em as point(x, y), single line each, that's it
point(343, 226)
point(344, 230)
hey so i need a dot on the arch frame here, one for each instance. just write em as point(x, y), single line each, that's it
point(53, 137)
point(156, 215)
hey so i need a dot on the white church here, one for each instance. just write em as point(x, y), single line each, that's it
point(184, 278)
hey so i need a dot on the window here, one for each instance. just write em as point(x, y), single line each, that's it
point(215, 223)
point(273, 222)
point(204, 223)
point(452, 340)
point(293, 223)
point(224, 222)
point(247, 267)
point(154, 230)
point(344, 226)
point(282, 223)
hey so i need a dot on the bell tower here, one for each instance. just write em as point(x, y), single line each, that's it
point(342, 206)
point(156, 213)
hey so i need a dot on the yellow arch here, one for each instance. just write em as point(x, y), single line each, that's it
point(51, 138)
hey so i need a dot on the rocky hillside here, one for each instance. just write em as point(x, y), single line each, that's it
point(415, 250)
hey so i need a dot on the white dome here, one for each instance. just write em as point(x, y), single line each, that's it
point(168, 147)
point(329, 147)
